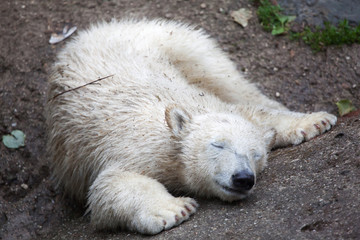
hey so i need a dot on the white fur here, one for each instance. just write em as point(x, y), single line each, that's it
point(176, 115)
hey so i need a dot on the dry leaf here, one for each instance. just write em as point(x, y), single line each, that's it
point(14, 140)
point(241, 16)
point(58, 37)
point(345, 106)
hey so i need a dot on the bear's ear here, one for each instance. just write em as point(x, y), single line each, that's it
point(270, 136)
point(176, 118)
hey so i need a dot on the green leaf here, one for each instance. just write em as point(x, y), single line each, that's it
point(291, 18)
point(283, 19)
point(345, 106)
point(278, 30)
point(14, 140)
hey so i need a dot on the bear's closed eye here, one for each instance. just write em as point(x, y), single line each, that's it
point(218, 145)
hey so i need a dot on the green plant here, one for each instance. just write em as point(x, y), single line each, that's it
point(318, 39)
point(271, 18)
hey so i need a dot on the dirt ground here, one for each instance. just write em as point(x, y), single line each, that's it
point(310, 191)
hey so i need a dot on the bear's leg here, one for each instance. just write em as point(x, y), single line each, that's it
point(291, 127)
point(119, 199)
point(205, 65)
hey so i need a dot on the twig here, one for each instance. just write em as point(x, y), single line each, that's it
point(73, 89)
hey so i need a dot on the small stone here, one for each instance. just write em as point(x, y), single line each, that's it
point(91, 5)
point(345, 85)
point(203, 5)
point(275, 69)
point(277, 94)
point(292, 53)
point(168, 15)
point(24, 186)
point(347, 58)
point(13, 124)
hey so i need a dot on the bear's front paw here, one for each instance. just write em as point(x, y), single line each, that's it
point(311, 125)
point(164, 214)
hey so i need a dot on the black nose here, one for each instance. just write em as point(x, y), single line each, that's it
point(243, 180)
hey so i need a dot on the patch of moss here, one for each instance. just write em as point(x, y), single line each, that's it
point(318, 39)
point(272, 19)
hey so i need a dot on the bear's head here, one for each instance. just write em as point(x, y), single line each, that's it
point(221, 153)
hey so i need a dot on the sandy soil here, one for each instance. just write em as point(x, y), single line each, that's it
point(310, 191)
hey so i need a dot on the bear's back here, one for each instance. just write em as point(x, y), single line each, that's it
point(116, 117)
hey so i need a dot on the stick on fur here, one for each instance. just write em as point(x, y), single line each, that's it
point(73, 89)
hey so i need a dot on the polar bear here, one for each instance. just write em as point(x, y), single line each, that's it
point(171, 115)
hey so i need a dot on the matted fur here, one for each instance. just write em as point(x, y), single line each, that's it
point(176, 115)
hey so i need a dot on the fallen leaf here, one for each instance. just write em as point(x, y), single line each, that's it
point(345, 106)
point(241, 16)
point(14, 140)
point(58, 37)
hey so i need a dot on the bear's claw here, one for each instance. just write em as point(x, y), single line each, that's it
point(166, 215)
point(312, 125)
